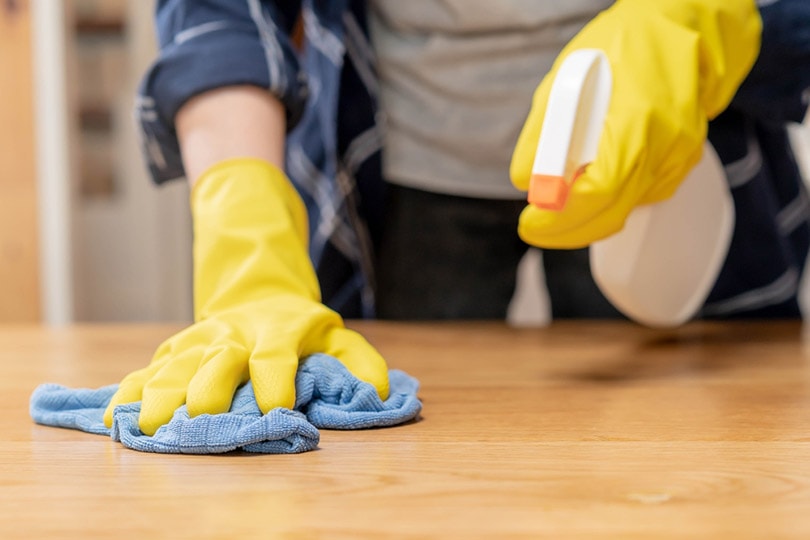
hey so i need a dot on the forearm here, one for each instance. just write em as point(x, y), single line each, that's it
point(231, 122)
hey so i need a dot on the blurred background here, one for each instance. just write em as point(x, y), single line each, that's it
point(84, 235)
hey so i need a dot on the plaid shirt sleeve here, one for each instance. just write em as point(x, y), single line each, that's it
point(331, 158)
point(206, 45)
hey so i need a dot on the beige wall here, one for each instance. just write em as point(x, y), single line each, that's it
point(19, 260)
point(132, 243)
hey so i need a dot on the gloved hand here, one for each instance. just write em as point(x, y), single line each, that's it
point(257, 305)
point(675, 64)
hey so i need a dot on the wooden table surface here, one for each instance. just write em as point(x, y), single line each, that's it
point(578, 430)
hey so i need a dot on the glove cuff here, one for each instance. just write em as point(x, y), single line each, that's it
point(729, 34)
point(250, 237)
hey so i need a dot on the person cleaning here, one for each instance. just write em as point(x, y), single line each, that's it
point(305, 210)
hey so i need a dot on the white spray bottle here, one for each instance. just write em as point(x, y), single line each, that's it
point(659, 269)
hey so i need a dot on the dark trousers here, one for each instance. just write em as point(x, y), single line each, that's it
point(448, 257)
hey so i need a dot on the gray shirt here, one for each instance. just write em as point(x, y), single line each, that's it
point(457, 78)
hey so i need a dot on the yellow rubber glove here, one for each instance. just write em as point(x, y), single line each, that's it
point(257, 305)
point(675, 64)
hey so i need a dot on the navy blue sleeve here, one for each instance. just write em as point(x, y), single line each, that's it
point(778, 88)
point(208, 44)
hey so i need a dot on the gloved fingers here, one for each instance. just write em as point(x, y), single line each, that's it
point(166, 390)
point(591, 193)
point(594, 211)
point(272, 372)
point(276, 355)
point(324, 332)
point(224, 367)
point(360, 358)
point(327, 334)
point(131, 387)
point(164, 350)
point(542, 228)
point(599, 199)
point(130, 390)
point(520, 169)
point(625, 173)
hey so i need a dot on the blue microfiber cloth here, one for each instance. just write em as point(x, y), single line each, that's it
point(327, 396)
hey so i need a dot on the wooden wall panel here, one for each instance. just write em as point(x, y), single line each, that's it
point(19, 258)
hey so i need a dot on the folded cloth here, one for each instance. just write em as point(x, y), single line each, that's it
point(327, 396)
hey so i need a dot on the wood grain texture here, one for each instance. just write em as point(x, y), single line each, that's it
point(579, 430)
point(19, 259)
